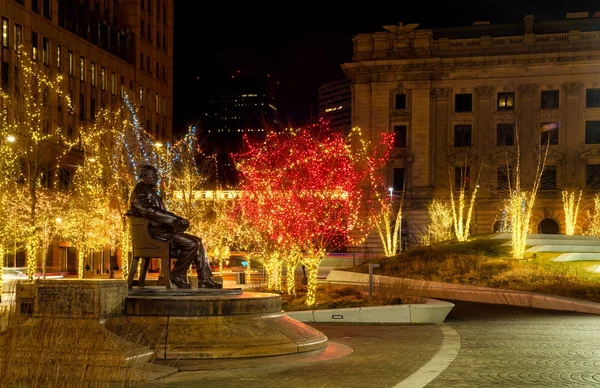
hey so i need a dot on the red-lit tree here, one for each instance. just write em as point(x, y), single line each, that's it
point(304, 189)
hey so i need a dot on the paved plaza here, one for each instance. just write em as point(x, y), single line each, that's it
point(500, 346)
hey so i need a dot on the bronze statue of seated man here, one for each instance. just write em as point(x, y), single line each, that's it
point(164, 225)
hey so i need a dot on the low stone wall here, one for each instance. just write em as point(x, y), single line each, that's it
point(433, 311)
point(474, 293)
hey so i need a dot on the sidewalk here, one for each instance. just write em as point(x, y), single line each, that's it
point(362, 356)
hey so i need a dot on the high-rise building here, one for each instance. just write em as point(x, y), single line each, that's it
point(105, 50)
point(335, 104)
point(456, 98)
point(243, 104)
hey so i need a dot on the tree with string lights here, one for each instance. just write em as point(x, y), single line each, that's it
point(304, 189)
point(27, 116)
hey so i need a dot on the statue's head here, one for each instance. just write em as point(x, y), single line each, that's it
point(149, 175)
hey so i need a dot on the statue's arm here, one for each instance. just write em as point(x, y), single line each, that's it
point(142, 203)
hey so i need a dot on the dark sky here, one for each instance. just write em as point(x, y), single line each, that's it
point(303, 43)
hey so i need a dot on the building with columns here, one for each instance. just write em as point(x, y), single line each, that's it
point(459, 99)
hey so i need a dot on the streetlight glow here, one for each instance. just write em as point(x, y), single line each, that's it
point(391, 189)
point(58, 220)
point(10, 139)
point(158, 144)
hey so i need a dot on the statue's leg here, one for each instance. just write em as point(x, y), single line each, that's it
point(188, 246)
point(201, 261)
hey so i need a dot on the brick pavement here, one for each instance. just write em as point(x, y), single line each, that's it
point(383, 356)
point(503, 346)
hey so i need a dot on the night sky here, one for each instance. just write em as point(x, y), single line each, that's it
point(302, 44)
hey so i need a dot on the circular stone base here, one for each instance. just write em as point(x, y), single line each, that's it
point(209, 325)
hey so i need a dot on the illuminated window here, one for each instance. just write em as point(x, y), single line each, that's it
point(18, 37)
point(506, 101)
point(549, 99)
point(462, 135)
point(4, 32)
point(93, 73)
point(505, 135)
point(59, 57)
point(34, 46)
point(103, 78)
point(463, 102)
point(592, 98)
point(82, 69)
point(400, 101)
point(549, 133)
point(399, 136)
point(71, 63)
point(157, 103)
point(46, 51)
point(141, 95)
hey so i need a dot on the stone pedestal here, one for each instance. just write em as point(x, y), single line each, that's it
point(208, 324)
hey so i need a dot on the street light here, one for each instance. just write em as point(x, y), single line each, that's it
point(158, 144)
point(11, 139)
point(391, 189)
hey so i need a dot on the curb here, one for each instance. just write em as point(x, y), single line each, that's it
point(474, 293)
point(433, 311)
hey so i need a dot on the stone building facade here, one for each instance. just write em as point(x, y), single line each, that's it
point(463, 97)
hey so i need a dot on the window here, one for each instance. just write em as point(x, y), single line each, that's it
point(5, 76)
point(157, 130)
point(164, 41)
point(462, 135)
point(463, 103)
point(82, 69)
point(143, 27)
point(157, 69)
point(592, 132)
point(398, 179)
point(149, 33)
point(506, 101)
point(158, 38)
point(550, 99)
point(81, 107)
point(93, 73)
point(158, 10)
point(548, 178)
point(59, 57)
point(400, 102)
point(505, 135)
point(592, 98)
point(399, 136)
point(164, 73)
point(141, 95)
point(142, 61)
point(549, 133)
point(113, 83)
point(592, 176)
point(35, 6)
point(18, 37)
point(148, 68)
point(47, 9)
point(46, 51)
point(157, 103)
point(143, 4)
point(4, 32)
point(103, 78)
point(34, 46)
point(64, 179)
point(92, 109)
point(503, 175)
point(461, 177)
point(122, 87)
point(71, 63)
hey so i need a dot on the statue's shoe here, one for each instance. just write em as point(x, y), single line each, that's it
point(180, 282)
point(209, 283)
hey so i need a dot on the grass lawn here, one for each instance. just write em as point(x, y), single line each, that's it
point(486, 262)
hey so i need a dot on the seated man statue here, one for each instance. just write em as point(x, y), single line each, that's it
point(145, 202)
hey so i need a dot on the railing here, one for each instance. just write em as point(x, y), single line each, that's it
point(465, 42)
point(504, 40)
point(552, 38)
